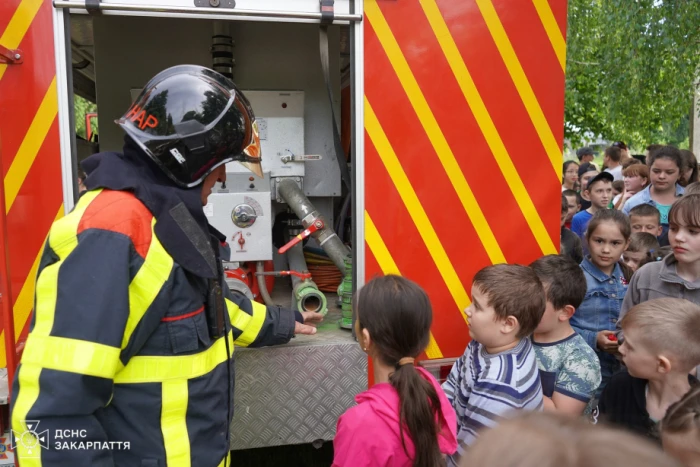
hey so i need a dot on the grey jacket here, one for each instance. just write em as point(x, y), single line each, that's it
point(658, 280)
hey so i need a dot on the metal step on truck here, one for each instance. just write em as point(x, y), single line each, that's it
point(421, 138)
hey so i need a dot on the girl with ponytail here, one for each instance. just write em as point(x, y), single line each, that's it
point(404, 419)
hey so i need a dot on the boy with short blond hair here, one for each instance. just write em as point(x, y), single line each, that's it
point(659, 349)
point(498, 371)
point(641, 245)
point(569, 368)
point(645, 218)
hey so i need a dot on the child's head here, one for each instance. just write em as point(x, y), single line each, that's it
point(680, 429)
point(607, 235)
point(689, 172)
point(618, 187)
point(665, 166)
point(612, 156)
point(570, 172)
point(661, 336)
point(507, 304)
point(683, 228)
point(393, 326)
point(656, 255)
point(565, 288)
point(652, 148)
point(641, 244)
point(553, 439)
point(599, 190)
point(630, 161)
point(635, 177)
point(572, 203)
point(585, 173)
point(693, 189)
point(646, 218)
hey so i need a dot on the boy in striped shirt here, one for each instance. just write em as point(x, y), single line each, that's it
point(498, 372)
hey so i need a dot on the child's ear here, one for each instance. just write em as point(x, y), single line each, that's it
point(510, 324)
point(365, 339)
point(663, 365)
point(660, 230)
point(566, 313)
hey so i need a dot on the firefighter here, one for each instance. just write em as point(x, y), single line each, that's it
point(129, 360)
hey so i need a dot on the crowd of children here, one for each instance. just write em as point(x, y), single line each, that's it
point(579, 359)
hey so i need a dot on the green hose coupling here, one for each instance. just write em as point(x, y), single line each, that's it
point(309, 298)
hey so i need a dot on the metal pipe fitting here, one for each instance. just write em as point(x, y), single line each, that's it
point(260, 266)
point(306, 292)
point(302, 207)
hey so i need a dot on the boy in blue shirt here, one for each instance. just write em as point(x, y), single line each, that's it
point(599, 191)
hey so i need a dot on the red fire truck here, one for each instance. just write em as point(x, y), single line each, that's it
point(447, 158)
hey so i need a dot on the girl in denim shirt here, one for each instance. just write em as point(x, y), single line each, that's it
point(608, 235)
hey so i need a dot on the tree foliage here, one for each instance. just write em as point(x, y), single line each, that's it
point(83, 107)
point(631, 68)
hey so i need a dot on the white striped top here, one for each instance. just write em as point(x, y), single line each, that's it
point(484, 388)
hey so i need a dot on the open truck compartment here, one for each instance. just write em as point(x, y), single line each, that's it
point(293, 393)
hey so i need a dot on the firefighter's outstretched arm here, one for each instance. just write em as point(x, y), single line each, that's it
point(73, 349)
point(257, 325)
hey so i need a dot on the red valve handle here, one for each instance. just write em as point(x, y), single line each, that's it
point(314, 227)
point(300, 275)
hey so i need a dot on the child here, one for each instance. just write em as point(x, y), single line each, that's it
point(585, 173)
point(405, 418)
point(680, 429)
point(665, 167)
point(599, 191)
point(569, 369)
point(689, 173)
point(554, 440)
point(635, 178)
point(573, 204)
point(659, 350)
point(693, 189)
point(646, 218)
point(570, 178)
point(677, 275)
point(641, 245)
point(618, 188)
point(570, 243)
point(498, 371)
point(656, 255)
point(608, 235)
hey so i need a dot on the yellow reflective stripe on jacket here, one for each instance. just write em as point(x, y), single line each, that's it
point(226, 461)
point(173, 423)
point(249, 325)
point(72, 355)
point(62, 240)
point(147, 283)
point(146, 369)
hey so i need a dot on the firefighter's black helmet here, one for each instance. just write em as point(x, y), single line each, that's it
point(190, 120)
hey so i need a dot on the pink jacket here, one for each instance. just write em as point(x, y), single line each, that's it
point(368, 434)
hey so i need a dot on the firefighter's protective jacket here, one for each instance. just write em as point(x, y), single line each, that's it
point(119, 350)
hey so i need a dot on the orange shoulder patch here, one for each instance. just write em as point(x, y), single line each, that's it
point(122, 212)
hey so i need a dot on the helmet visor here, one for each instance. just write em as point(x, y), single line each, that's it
point(252, 153)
